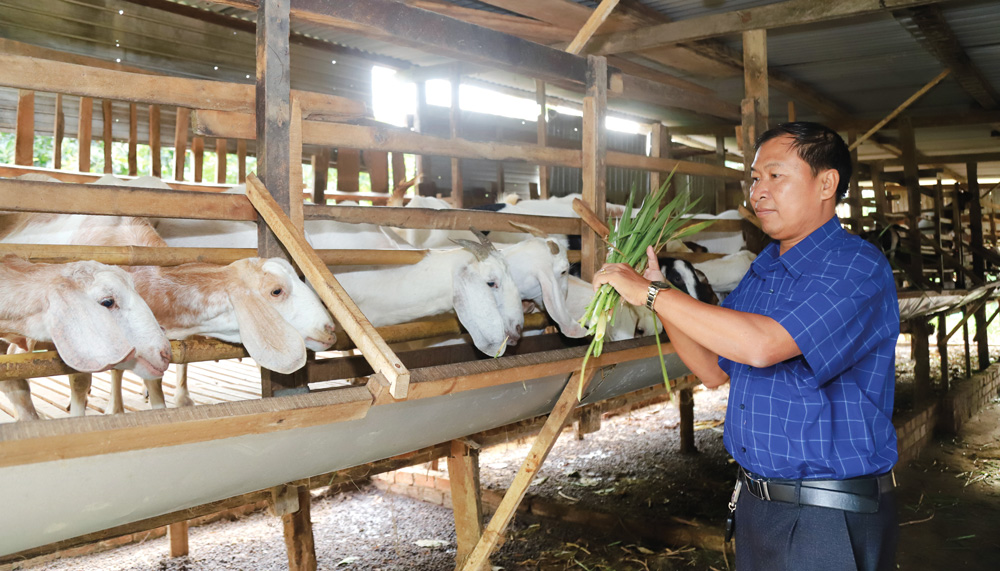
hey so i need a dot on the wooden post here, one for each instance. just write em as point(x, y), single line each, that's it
point(659, 146)
point(321, 174)
point(419, 125)
point(84, 132)
point(965, 338)
point(154, 140)
point(180, 141)
point(178, 534)
point(978, 262)
point(942, 338)
point(920, 332)
point(754, 111)
point(791, 111)
point(292, 503)
point(274, 118)
point(907, 144)
point(241, 161)
point(466, 500)
point(133, 139)
point(938, 239)
point(961, 280)
point(544, 442)
point(348, 170)
point(58, 132)
point(721, 200)
point(685, 404)
point(588, 422)
point(221, 156)
point(106, 121)
point(198, 152)
point(882, 204)
point(854, 189)
point(24, 130)
point(398, 169)
point(543, 136)
point(594, 160)
point(457, 185)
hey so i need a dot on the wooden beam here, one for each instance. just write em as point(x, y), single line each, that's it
point(978, 262)
point(624, 86)
point(198, 153)
point(56, 77)
point(180, 141)
point(221, 156)
point(24, 129)
point(348, 169)
point(83, 130)
point(767, 17)
point(536, 457)
point(154, 140)
point(597, 17)
point(466, 501)
point(347, 313)
point(321, 173)
point(133, 139)
point(402, 217)
point(594, 163)
point(957, 158)
point(527, 28)
point(58, 132)
point(542, 127)
point(902, 106)
point(455, 124)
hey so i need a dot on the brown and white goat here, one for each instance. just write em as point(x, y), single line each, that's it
point(90, 312)
point(260, 303)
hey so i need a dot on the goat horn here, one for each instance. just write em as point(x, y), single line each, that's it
point(483, 239)
point(480, 251)
point(529, 229)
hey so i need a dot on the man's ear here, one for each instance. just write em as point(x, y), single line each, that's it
point(830, 179)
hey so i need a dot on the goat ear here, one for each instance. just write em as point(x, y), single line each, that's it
point(555, 306)
point(84, 333)
point(269, 339)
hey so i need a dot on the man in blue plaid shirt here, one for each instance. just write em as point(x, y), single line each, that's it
point(807, 341)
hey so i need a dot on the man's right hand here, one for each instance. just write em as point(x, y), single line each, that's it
point(652, 272)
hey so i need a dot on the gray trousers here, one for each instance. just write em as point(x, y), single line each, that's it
point(779, 536)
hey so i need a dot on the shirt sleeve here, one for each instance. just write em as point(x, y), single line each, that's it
point(834, 324)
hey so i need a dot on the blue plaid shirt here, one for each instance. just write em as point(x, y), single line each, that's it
point(826, 413)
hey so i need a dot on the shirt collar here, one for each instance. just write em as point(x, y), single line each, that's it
point(803, 255)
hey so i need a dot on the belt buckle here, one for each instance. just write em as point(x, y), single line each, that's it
point(764, 491)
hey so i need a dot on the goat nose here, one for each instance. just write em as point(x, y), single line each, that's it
point(519, 328)
point(165, 355)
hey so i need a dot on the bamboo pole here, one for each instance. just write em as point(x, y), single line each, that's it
point(343, 308)
point(899, 109)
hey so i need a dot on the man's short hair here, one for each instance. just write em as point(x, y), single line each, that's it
point(819, 146)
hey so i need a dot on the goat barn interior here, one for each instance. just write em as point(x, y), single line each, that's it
point(354, 227)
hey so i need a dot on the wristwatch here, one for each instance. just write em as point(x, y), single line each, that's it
point(654, 288)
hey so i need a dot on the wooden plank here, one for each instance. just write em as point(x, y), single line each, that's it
point(634, 88)
point(83, 130)
point(597, 17)
point(455, 123)
point(401, 217)
point(24, 129)
point(86, 178)
point(58, 132)
point(198, 153)
point(29, 443)
point(180, 141)
point(398, 162)
point(899, 109)
point(427, 31)
point(61, 198)
point(347, 313)
point(299, 543)
point(348, 169)
point(978, 262)
point(241, 161)
point(296, 186)
point(777, 15)
point(659, 139)
point(479, 559)
point(178, 536)
point(154, 140)
point(466, 501)
point(106, 123)
point(133, 139)
point(390, 138)
point(221, 154)
point(86, 81)
point(594, 162)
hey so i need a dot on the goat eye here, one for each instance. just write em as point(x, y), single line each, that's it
point(491, 284)
point(276, 292)
point(108, 302)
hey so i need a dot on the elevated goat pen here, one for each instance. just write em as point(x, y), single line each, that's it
point(150, 463)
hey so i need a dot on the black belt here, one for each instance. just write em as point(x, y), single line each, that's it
point(860, 495)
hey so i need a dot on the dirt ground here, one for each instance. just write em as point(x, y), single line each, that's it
point(949, 507)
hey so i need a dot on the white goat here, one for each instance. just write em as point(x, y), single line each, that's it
point(716, 241)
point(725, 273)
point(474, 281)
point(630, 321)
point(258, 302)
point(92, 314)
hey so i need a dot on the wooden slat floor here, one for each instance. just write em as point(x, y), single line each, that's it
point(208, 383)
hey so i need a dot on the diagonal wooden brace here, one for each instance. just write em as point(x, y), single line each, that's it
point(375, 350)
point(544, 442)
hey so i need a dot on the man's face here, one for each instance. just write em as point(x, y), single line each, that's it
point(786, 196)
